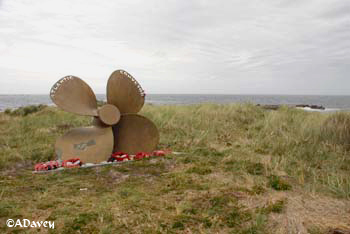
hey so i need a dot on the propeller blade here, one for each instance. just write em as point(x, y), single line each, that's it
point(90, 144)
point(135, 133)
point(72, 94)
point(124, 92)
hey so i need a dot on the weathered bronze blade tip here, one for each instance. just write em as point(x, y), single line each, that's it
point(72, 94)
point(124, 92)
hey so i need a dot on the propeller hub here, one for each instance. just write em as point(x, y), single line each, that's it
point(109, 114)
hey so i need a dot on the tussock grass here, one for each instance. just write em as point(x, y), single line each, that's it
point(245, 170)
point(336, 129)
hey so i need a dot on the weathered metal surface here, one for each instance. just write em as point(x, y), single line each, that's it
point(135, 133)
point(125, 92)
point(72, 94)
point(90, 144)
point(131, 133)
point(109, 114)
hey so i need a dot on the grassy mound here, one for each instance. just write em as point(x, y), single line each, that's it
point(245, 170)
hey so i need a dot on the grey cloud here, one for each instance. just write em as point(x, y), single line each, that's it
point(179, 46)
point(339, 10)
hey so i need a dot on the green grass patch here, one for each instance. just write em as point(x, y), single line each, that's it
point(278, 183)
point(24, 111)
point(234, 154)
point(200, 170)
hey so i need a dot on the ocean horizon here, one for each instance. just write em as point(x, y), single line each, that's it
point(330, 102)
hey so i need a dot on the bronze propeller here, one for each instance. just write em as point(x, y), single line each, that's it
point(116, 125)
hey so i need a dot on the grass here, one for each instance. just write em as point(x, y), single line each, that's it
point(245, 170)
point(278, 183)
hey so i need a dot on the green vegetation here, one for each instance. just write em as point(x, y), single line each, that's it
point(278, 183)
point(26, 110)
point(276, 207)
point(244, 170)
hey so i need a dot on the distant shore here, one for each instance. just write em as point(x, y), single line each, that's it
point(328, 102)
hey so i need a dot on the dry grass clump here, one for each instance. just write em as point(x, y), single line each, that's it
point(336, 129)
point(298, 145)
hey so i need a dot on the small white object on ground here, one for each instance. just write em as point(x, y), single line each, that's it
point(87, 165)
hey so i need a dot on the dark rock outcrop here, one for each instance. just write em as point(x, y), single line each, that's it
point(275, 107)
point(311, 106)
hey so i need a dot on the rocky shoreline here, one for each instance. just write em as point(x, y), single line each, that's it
point(276, 107)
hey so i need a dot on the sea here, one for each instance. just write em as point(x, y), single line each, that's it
point(331, 103)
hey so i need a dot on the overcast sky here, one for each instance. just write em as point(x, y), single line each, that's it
point(180, 46)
